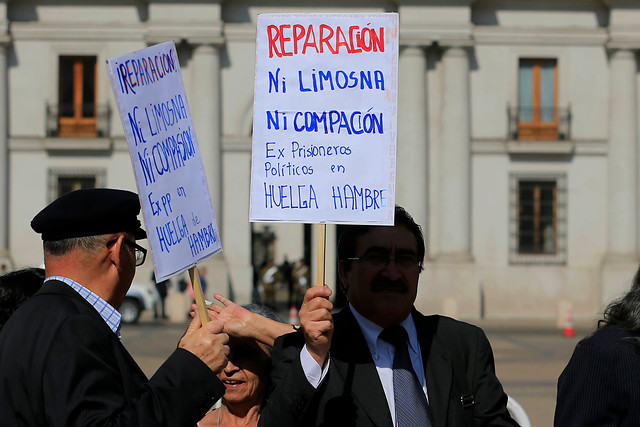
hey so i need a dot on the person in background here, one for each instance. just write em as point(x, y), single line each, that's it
point(63, 364)
point(202, 272)
point(162, 288)
point(252, 329)
point(600, 386)
point(16, 287)
point(379, 362)
point(301, 278)
point(183, 284)
point(286, 273)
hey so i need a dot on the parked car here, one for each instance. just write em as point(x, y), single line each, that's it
point(141, 297)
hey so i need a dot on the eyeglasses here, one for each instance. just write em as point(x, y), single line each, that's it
point(403, 261)
point(141, 253)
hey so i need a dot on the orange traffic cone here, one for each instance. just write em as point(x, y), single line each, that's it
point(293, 315)
point(569, 331)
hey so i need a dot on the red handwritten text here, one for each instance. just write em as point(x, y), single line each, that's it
point(289, 40)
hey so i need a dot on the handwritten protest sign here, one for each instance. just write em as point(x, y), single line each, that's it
point(166, 160)
point(324, 126)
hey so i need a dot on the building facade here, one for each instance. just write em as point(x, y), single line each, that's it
point(517, 138)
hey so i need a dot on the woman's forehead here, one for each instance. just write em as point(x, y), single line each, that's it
point(247, 346)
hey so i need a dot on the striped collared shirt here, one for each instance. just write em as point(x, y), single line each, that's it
point(110, 315)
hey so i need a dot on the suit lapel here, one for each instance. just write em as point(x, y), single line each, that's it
point(438, 365)
point(352, 361)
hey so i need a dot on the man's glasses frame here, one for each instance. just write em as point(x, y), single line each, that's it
point(141, 253)
point(377, 260)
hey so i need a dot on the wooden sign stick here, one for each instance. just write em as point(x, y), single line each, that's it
point(322, 237)
point(199, 296)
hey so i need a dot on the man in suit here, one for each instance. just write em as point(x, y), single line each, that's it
point(347, 370)
point(62, 362)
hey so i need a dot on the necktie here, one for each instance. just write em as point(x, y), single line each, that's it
point(411, 404)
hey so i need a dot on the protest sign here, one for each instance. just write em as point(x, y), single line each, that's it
point(172, 185)
point(325, 113)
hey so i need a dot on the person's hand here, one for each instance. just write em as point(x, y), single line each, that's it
point(208, 343)
point(317, 322)
point(237, 319)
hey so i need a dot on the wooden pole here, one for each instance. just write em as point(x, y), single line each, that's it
point(322, 237)
point(199, 295)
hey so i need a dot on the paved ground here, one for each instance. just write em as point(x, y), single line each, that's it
point(529, 357)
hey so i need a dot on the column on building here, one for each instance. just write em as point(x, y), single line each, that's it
point(454, 201)
point(205, 105)
point(4, 154)
point(623, 157)
point(621, 259)
point(412, 171)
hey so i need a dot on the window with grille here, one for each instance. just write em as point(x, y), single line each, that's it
point(62, 181)
point(538, 218)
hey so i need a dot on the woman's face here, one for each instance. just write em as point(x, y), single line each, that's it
point(247, 374)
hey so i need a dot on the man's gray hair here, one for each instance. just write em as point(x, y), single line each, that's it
point(64, 246)
point(263, 310)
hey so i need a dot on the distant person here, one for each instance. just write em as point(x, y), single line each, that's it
point(202, 272)
point(162, 288)
point(301, 278)
point(252, 329)
point(379, 362)
point(183, 284)
point(16, 287)
point(286, 272)
point(268, 281)
point(62, 360)
point(203, 285)
point(600, 386)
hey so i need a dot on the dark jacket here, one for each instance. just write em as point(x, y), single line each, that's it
point(600, 386)
point(61, 365)
point(458, 362)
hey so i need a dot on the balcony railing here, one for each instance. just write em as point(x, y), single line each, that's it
point(82, 120)
point(539, 124)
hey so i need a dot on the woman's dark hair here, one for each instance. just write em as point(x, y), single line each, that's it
point(16, 287)
point(624, 312)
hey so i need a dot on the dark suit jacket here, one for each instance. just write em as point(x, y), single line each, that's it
point(455, 355)
point(61, 365)
point(600, 385)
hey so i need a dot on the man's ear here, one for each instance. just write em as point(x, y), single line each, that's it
point(115, 251)
point(342, 273)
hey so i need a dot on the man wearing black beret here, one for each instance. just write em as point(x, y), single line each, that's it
point(61, 360)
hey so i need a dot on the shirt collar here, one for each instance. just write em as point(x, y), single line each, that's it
point(108, 313)
point(371, 331)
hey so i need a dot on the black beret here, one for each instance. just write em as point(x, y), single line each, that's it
point(89, 213)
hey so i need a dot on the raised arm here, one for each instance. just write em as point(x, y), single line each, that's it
point(242, 323)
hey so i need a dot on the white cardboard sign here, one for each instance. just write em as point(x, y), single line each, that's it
point(325, 113)
point(172, 185)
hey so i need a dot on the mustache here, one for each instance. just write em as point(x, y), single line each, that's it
point(381, 284)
